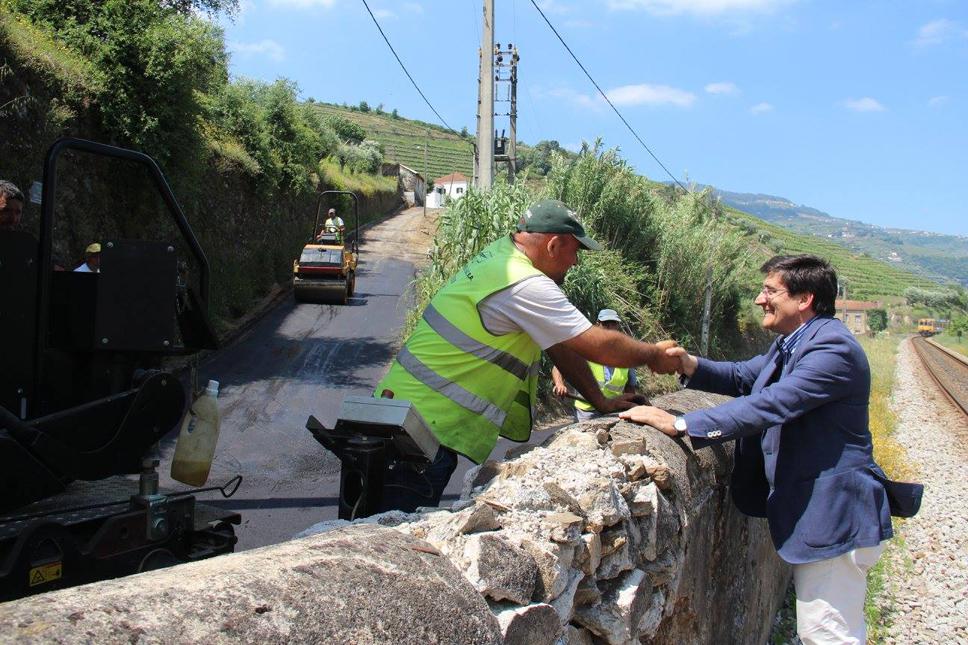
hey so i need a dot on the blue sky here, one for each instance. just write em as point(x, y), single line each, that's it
point(857, 108)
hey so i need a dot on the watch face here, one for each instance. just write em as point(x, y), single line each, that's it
point(680, 424)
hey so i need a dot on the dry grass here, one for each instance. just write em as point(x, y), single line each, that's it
point(882, 354)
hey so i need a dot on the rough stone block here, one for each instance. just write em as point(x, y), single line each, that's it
point(603, 504)
point(616, 617)
point(564, 604)
point(479, 518)
point(616, 554)
point(587, 594)
point(577, 636)
point(560, 496)
point(644, 500)
point(589, 554)
point(499, 569)
point(651, 617)
point(536, 624)
point(554, 562)
point(575, 439)
point(563, 527)
point(479, 476)
point(660, 475)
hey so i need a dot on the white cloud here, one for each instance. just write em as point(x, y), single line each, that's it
point(383, 14)
point(866, 104)
point(554, 7)
point(570, 95)
point(645, 94)
point(724, 87)
point(937, 101)
point(269, 48)
point(413, 7)
point(697, 7)
point(762, 108)
point(303, 4)
point(938, 31)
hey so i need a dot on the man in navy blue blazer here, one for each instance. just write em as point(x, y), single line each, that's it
point(804, 456)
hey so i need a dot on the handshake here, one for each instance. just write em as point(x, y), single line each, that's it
point(668, 360)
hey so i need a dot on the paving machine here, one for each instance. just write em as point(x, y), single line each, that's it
point(84, 398)
point(326, 269)
point(371, 436)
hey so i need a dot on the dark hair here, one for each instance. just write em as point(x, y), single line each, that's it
point(10, 191)
point(806, 274)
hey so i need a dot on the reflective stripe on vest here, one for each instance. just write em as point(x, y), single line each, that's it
point(611, 388)
point(468, 384)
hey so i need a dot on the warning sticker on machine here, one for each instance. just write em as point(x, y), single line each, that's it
point(45, 573)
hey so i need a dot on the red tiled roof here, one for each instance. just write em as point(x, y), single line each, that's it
point(453, 177)
point(856, 305)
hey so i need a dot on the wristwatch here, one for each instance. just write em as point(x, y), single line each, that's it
point(680, 425)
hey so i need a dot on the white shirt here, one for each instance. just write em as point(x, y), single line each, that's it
point(334, 221)
point(85, 268)
point(536, 306)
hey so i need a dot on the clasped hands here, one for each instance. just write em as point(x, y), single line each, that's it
point(672, 359)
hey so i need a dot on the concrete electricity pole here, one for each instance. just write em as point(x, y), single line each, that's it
point(506, 77)
point(426, 174)
point(484, 174)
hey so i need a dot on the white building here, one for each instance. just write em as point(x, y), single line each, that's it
point(452, 186)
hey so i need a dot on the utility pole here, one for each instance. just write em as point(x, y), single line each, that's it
point(506, 73)
point(426, 174)
point(706, 312)
point(484, 176)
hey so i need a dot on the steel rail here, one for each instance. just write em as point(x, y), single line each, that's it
point(920, 347)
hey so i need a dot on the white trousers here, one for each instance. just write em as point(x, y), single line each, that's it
point(830, 597)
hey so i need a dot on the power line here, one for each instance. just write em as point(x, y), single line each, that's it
point(605, 96)
point(404, 67)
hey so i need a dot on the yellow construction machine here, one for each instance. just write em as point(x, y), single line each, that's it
point(326, 269)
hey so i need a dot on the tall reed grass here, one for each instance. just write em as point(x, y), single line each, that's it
point(658, 247)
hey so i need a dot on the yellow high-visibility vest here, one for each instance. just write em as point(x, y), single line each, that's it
point(611, 388)
point(468, 384)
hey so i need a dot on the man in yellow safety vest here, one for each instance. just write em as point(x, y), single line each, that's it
point(471, 365)
point(614, 381)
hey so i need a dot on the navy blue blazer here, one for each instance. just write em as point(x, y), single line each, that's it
point(804, 456)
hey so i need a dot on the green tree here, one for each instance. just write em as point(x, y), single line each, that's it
point(158, 60)
point(346, 130)
point(364, 106)
point(877, 320)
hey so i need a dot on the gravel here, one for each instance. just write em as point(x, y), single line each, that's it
point(928, 583)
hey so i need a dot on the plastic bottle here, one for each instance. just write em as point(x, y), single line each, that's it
point(196, 441)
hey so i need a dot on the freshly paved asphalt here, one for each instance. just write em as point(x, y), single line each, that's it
point(302, 359)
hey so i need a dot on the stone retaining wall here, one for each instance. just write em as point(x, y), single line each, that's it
point(608, 532)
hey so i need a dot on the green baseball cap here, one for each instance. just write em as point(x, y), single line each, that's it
point(552, 216)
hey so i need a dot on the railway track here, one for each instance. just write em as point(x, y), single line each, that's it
point(947, 368)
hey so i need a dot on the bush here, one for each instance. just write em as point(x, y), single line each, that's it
point(284, 137)
point(346, 130)
point(157, 63)
point(877, 320)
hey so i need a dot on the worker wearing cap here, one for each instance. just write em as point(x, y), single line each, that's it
point(334, 221)
point(92, 259)
point(614, 381)
point(470, 367)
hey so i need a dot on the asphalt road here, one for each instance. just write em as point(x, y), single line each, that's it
point(302, 359)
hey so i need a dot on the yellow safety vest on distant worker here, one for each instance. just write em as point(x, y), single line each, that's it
point(611, 388)
point(468, 384)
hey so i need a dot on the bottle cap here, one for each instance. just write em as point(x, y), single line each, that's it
point(212, 388)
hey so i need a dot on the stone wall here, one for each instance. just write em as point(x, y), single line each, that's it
point(608, 532)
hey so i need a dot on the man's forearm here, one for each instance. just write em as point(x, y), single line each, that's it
point(575, 370)
point(613, 348)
